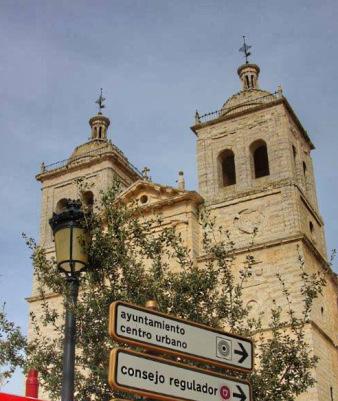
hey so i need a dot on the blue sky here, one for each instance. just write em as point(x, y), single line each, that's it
point(157, 62)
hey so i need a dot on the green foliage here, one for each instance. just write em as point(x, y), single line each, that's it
point(130, 260)
point(12, 345)
point(285, 363)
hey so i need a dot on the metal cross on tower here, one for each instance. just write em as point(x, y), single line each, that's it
point(245, 49)
point(145, 173)
point(100, 101)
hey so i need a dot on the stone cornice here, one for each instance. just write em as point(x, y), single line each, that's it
point(322, 332)
point(91, 174)
point(35, 298)
point(146, 184)
point(310, 323)
point(174, 195)
point(281, 241)
point(268, 188)
point(191, 196)
point(254, 109)
point(94, 159)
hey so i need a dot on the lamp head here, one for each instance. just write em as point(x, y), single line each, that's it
point(70, 238)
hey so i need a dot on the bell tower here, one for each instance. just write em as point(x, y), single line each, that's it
point(256, 176)
point(98, 161)
point(255, 146)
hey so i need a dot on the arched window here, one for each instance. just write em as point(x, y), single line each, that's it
point(88, 199)
point(311, 227)
point(294, 152)
point(304, 169)
point(61, 205)
point(247, 82)
point(100, 132)
point(227, 168)
point(260, 159)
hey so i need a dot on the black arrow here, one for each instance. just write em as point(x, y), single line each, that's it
point(241, 352)
point(241, 395)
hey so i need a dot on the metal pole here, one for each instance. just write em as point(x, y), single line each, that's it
point(152, 305)
point(67, 393)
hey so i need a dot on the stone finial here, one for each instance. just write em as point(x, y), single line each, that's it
point(197, 118)
point(42, 167)
point(145, 173)
point(181, 181)
point(279, 91)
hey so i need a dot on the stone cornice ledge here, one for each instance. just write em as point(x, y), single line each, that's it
point(285, 240)
point(262, 106)
point(34, 298)
point(310, 323)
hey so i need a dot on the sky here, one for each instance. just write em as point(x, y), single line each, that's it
point(157, 62)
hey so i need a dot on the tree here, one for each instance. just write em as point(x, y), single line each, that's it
point(12, 346)
point(130, 260)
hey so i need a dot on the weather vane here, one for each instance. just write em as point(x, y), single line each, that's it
point(245, 49)
point(100, 101)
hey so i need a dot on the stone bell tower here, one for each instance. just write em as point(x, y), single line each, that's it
point(256, 175)
point(98, 161)
point(255, 149)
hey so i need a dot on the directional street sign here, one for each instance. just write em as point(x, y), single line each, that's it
point(139, 326)
point(166, 380)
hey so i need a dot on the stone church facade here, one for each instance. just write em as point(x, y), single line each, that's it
point(255, 175)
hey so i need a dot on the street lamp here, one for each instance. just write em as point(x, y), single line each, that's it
point(71, 256)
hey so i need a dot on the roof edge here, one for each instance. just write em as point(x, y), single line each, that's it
point(282, 100)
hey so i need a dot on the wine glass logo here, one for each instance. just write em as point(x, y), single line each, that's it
point(225, 392)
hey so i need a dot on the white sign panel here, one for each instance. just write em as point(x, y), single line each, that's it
point(166, 380)
point(140, 326)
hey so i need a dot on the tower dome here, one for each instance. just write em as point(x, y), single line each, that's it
point(98, 141)
point(250, 94)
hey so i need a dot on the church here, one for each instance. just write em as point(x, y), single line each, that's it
point(255, 174)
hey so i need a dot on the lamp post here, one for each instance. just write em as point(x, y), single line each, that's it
point(70, 238)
